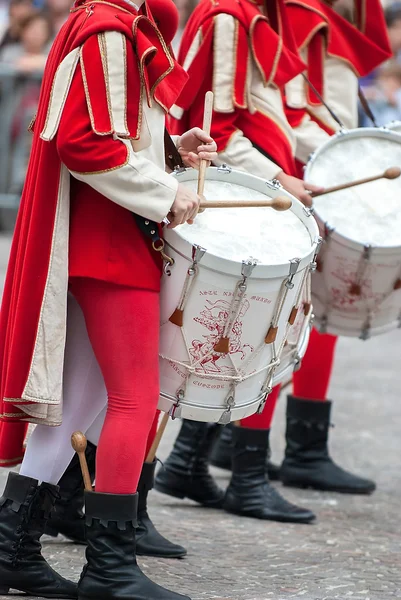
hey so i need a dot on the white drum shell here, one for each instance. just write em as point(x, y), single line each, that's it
point(211, 291)
point(378, 309)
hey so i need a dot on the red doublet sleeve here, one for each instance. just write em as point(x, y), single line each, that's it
point(108, 137)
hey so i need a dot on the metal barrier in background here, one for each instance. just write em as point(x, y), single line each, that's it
point(18, 95)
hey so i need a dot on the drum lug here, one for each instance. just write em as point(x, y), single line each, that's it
point(197, 254)
point(297, 362)
point(247, 267)
point(274, 184)
point(365, 333)
point(225, 418)
point(323, 324)
point(308, 211)
point(319, 243)
point(224, 168)
point(175, 412)
point(179, 170)
point(294, 265)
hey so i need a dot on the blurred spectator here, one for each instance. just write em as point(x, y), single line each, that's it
point(386, 101)
point(29, 55)
point(393, 20)
point(185, 8)
point(58, 11)
point(18, 11)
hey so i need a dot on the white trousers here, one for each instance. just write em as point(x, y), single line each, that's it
point(49, 449)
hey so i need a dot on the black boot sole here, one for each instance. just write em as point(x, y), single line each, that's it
point(321, 488)
point(4, 591)
point(277, 518)
point(160, 555)
point(179, 494)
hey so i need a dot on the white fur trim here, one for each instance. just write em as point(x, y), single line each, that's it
point(58, 95)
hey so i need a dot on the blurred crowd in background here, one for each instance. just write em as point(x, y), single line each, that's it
point(28, 27)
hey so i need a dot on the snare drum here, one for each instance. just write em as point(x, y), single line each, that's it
point(234, 297)
point(357, 288)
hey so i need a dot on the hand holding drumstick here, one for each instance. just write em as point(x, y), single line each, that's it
point(197, 150)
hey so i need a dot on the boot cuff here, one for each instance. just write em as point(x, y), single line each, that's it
point(308, 410)
point(111, 508)
point(147, 478)
point(243, 436)
point(17, 488)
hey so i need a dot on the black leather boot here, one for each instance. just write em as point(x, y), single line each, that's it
point(250, 494)
point(24, 509)
point(149, 542)
point(307, 461)
point(111, 572)
point(185, 474)
point(68, 517)
point(222, 454)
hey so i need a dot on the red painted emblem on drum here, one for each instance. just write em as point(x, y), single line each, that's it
point(214, 317)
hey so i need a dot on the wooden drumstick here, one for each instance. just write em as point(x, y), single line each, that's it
point(390, 173)
point(207, 124)
point(156, 442)
point(79, 443)
point(280, 203)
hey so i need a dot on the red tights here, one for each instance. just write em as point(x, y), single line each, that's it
point(313, 378)
point(310, 382)
point(123, 327)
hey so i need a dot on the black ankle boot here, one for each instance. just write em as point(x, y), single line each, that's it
point(111, 572)
point(68, 517)
point(250, 493)
point(149, 542)
point(185, 474)
point(223, 449)
point(307, 461)
point(24, 509)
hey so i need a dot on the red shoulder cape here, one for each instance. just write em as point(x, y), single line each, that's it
point(31, 250)
point(318, 27)
point(276, 61)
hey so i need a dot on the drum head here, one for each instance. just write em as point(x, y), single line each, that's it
point(368, 214)
point(236, 234)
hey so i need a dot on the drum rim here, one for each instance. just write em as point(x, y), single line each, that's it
point(228, 266)
point(379, 132)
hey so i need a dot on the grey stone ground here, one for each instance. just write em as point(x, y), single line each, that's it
point(354, 549)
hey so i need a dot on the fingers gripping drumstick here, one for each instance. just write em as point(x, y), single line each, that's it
point(154, 447)
point(391, 173)
point(79, 443)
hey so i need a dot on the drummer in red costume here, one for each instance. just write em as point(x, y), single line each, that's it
point(97, 162)
point(245, 52)
point(248, 124)
point(337, 53)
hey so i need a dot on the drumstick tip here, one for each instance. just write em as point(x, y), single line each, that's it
point(392, 173)
point(78, 441)
point(281, 203)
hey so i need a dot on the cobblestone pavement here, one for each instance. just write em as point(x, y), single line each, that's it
point(354, 549)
